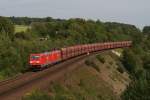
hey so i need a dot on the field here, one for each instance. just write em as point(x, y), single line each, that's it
point(21, 28)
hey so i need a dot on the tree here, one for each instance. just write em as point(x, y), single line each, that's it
point(131, 61)
point(39, 28)
point(146, 30)
point(7, 27)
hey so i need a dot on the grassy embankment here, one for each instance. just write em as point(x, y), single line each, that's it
point(97, 79)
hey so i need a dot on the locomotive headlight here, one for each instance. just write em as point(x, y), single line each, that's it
point(37, 62)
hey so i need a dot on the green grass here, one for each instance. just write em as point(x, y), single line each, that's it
point(21, 28)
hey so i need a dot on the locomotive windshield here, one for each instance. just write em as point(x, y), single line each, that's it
point(35, 57)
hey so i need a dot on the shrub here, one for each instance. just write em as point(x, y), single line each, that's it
point(131, 61)
point(100, 58)
point(23, 35)
point(61, 92)
point(92, 64)
point(120, 69)
point(81, 83)
point(111, 63)
point(37, 95)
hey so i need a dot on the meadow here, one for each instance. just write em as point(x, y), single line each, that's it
point(21, 28)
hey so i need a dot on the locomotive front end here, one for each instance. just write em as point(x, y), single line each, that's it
point(35, 61)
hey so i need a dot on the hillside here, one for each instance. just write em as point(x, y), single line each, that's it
point(103, 82)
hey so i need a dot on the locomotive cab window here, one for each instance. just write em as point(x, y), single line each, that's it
point(35, 57)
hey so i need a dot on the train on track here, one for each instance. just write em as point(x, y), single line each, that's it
point(42, 60)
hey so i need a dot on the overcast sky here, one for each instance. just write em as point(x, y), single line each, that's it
point(135, 12)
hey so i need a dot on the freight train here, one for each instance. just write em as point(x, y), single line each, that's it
point(42, 60)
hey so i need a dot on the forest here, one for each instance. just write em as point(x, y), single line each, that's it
point(45, 34)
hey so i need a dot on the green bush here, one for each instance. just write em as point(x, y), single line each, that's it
point(37, 95)
point(61, 92)
point(81, 83)
point(92, 64)
point(100, 58)
point(131, 61)
point(120, 69)
point(111, 63)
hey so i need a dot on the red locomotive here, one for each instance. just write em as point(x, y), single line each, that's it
point(42, 60)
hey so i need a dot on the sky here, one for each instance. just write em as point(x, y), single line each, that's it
point(136, 12)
